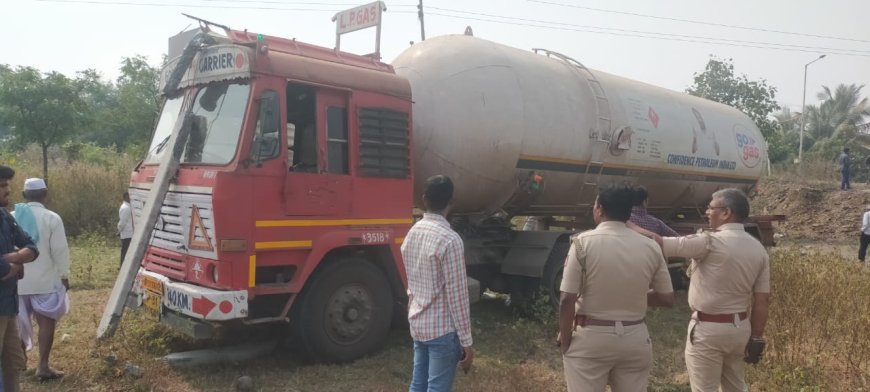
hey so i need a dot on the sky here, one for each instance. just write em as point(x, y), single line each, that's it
point(662, 42)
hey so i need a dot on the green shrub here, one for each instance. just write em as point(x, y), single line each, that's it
point(85, 184)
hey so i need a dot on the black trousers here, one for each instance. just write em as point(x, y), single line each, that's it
point(862, 250)
point(125, 244)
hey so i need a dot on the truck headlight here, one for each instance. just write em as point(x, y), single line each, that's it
point(214, 273)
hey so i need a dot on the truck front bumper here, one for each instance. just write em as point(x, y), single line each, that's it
point(159, 294)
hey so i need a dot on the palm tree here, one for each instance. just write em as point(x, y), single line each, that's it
point(833, 124)
point(839, 113)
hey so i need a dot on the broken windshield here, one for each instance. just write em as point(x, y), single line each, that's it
point(165, 126)
point(218, 112)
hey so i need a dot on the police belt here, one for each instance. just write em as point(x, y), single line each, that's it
point(719, 318)
point(581, 320)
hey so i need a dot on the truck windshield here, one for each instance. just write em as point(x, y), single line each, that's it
point(218, 112)
point(165, 126)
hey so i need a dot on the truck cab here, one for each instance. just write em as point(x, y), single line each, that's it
point(292, 197)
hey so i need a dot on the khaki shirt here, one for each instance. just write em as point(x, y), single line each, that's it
point(728, 265)
point(621, 267)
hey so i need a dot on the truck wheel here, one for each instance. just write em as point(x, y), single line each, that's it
point(552, 278)
point(345, 312)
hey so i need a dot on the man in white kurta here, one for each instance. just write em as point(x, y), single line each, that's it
point(125, 225)
point(42, 293)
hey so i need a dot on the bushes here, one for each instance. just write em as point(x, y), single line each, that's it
point(819, 328)
point(85, 184)
point(824, 167)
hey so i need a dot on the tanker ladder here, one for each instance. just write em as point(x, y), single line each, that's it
point(601, 135)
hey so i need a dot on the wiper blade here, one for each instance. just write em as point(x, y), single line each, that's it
point(162, 144)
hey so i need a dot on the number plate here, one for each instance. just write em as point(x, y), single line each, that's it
point(153, 285)
point(152, 302)
point(375, 237)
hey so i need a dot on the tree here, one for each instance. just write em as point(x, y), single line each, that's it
point(754, 98)
point(834, 123)
point(138, 101)
point(102, 99)
point(784, 141)
point(839, 113)
point(46, 109)
point(122, 112)
point(5, 129)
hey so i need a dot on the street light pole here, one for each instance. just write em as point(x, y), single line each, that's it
point(804, 113)
point(420, 15)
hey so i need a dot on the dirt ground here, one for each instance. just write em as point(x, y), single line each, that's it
point(815, 211)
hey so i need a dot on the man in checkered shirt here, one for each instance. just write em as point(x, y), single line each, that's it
point(438, 307)
point(642, 218)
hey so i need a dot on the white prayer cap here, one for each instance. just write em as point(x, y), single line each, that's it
point(34, 184)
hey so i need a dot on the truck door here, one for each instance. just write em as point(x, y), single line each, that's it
point(318, 181)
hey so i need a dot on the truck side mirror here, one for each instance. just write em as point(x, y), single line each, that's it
point(267, 138)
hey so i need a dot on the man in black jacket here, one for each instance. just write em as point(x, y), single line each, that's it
point(16, 248)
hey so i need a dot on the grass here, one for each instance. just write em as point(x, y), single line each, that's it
point(818, 334)
point(85, 190)
point(819, 330)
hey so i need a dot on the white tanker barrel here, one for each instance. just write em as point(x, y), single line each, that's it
point(488, 115)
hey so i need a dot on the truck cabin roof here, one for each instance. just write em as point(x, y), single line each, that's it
point(298, 48)
point(309, 63)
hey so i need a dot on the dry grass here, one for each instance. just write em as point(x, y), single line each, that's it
point(819, 340)
point(819, 329)
point(86, 192)
point(514, 354)
point(814, 169)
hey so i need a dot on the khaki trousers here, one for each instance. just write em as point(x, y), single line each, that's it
point(12, 359)
point(620, 356)
point(714, 355)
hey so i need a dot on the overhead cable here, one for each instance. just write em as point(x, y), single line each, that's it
point(663, 36)
point(707, 23)
point(547, 23)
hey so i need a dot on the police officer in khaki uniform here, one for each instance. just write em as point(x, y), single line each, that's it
point(729, 271)
point(606, 288)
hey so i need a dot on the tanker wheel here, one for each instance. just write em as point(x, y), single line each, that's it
point(553, 270)
point(345, 312)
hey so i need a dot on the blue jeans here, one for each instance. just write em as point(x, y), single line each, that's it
point(435, 363)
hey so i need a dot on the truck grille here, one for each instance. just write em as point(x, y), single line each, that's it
point(171, 238)
point(165, 263)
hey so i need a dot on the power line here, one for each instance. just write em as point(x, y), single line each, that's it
point(511, 20)
point(129, 3)
point(700, 22)
point(297, 3)
point(844, 52)
point(825, 49)
point(180, 5)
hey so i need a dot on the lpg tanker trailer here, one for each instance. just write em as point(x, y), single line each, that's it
point(281, 178)
point(535, 133)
